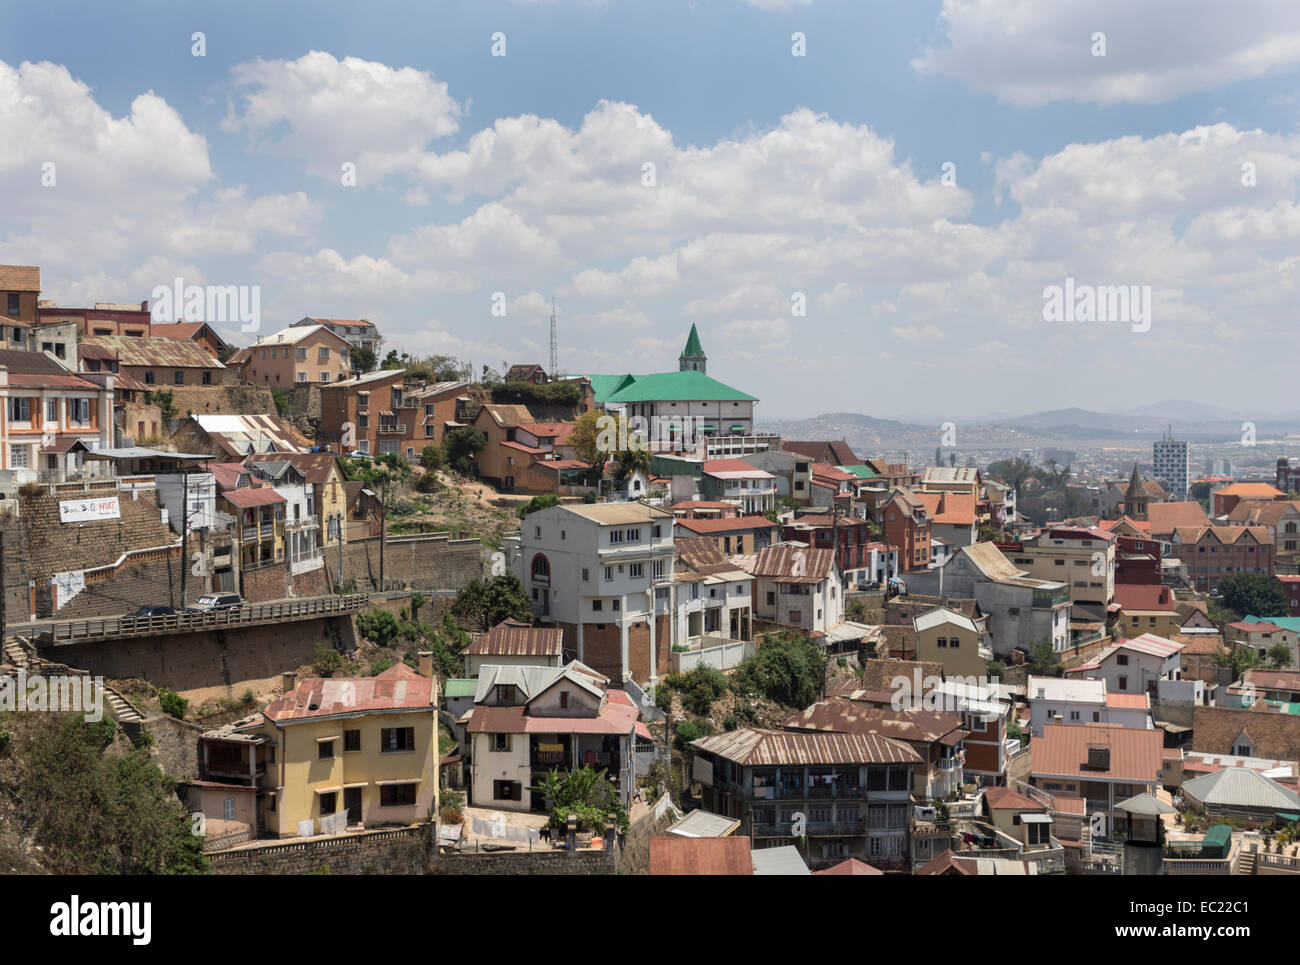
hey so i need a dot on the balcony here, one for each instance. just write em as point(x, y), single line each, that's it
point(392, 428)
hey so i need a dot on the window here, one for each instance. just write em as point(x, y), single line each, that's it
point(633, 535)
point(616, 536)
point(564, 700)
point(301, 353)
point(352, 740)
point(178, 377)
point(1122, 659)
point(397, 795)
point(942, 643)
point(363, 400)
point(541, 570)
point(395, 739)
point(20, 410)
point(207, 378)
point(13, 307)
point(325, 752)
point(79, 410)
point(616, 605)
point(300, 376)
point(323, 355)
point(635, 570)
point(505, 790)
point(501, 742)
point(657, 531)
point(52, 410)
point(328, 802)
point(228, 809)
point(596, 606)
point(1123, 683)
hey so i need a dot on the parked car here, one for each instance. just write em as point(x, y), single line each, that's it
point(155, 611)
point(217, 601)
point(358, 454)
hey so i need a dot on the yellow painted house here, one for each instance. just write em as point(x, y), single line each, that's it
point(367, 746)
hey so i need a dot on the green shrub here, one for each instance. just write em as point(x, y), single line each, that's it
point(327, 660)
point(378, 626)
point(691, 730)
point(173, 704)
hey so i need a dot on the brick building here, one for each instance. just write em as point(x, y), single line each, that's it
point(1212, 552)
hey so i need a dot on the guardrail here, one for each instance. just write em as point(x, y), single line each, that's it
point(63, 632)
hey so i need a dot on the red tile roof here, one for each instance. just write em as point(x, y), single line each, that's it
point(850, 867)
point(1000, 798)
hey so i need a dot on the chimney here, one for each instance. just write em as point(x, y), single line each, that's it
point(424, 663)
point(289, 680)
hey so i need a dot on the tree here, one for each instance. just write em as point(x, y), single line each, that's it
point(485, 603)
point(698, 688)
point(362, 359)
point(163, 400)
point(989, 532)
point(1279, 655)
point(544, 501)
point(378, 626)
point(583, 438)
point(585, 792)
point(433, 457)
point(1013, 472)
point(1254, 594)
point(1042, 657)
point(391, 361)
point(283, 406)
point(92, 809)
point(461, 445)
point(789, 668)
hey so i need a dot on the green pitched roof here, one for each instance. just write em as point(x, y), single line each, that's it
point(862, 472)
point(460, 687)
point(603, 386)
point(693, 347)
point(677, 387)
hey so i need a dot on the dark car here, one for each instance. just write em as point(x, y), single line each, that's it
point(155, 611)
point(217, 601)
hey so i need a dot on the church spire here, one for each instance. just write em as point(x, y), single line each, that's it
point(693, 358)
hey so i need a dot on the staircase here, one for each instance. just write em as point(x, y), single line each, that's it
point(20, 653)
point(121, 709)
point(1246, 862)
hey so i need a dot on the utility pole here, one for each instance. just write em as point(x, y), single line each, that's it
point(383, 530)
point(338, 539)
point(185, 530)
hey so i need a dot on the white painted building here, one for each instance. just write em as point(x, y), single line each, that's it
point(1067, 700)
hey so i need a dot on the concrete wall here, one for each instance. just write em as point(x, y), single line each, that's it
point(211, 664)
point(425, 562)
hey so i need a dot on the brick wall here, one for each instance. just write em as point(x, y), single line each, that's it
point(602, 650)
point(425, 562)
point(265, 583)
point(524, 863)
point(311, 583)
point(148, 583)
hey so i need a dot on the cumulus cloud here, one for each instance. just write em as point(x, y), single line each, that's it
point(1030, 54)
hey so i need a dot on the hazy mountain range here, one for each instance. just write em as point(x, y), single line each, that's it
point(1192, 421)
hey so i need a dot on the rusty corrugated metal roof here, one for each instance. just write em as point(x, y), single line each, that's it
point(757, 747)
point(510, 638)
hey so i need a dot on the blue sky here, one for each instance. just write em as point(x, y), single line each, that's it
point(775, 175)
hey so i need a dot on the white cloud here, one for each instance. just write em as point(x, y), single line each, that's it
point(1030, 54)
point(326, 112)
